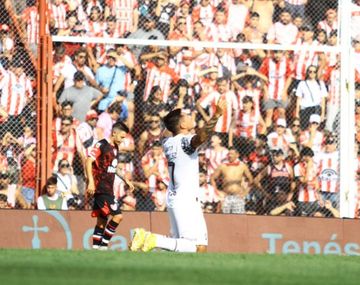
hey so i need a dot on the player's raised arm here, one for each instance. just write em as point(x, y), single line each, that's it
point(204, 133)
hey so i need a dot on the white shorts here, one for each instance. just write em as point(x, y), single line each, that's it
point(188, 223)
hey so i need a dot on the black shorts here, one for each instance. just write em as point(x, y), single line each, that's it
point(105, 205)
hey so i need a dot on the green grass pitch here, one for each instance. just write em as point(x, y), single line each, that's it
point(51, 267)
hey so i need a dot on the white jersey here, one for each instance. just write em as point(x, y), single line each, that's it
point(183, 165)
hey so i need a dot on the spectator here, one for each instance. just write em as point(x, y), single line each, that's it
point(209, 198)
point(107, 119)
point(14, 199)
point(330, 22)
point(181, 98)
point(10, 149)
point(57, 10)
point(223, 125)
point(236, 183)
point(311, 96)
point(276, 181)
point(252, 32)
point(126, 153)
point(66, 181)
point(16, 93)
point(94, 25)
point(306, 177)
point(265, 9)
point(278, 84)
point(30, 18)
point(303, 59)
point(219, 29)
point(183, 12)
point(71, 21)
point(237, 16)
point(159, 73)
point(50, 199)
point(258, 159)
point(328, 172)
point(165, 12)
point(82, 96)
point(283, 31)
point(79, 64)
point(248, 86)
point(280, 139)
point(66, 143)
point(295, 130)
point(180, 32)
point(298, 22)
point(28, 175)
point(111, 79)
point(87, 131)
point(6, 42)
point(159, 195)
point(154, 165)
point(145, 32)
point(320, 37)
point(216, 154)
point(60, 60)
point(126, 13)
point(203, 12)
point(150, 135)
point(313, 137)
point(249, 121)
point(65, 111)
point(296, 7)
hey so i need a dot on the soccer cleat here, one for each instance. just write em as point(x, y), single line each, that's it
point(138, 239)
point(103, 248)
point(150, 243)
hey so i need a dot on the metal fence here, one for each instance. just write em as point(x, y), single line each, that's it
point(277, 63)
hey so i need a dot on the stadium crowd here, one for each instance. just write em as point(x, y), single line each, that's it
point(273, 152)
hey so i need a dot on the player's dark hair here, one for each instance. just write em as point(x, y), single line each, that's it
point(121, 127)
point(171, 120)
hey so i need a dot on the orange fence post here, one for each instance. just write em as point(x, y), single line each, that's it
point(44, 109)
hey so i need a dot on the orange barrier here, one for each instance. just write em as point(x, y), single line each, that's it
point(227, 233)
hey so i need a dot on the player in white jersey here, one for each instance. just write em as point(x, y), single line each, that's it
point(187, 224)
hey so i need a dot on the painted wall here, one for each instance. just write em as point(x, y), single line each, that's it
point(227, 233)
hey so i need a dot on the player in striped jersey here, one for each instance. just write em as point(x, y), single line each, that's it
point(188, 227)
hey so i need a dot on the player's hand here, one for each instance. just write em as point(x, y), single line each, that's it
point(220, 107)
point(91, 188)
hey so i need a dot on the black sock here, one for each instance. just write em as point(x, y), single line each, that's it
point(109, 232)
point(97, 236)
